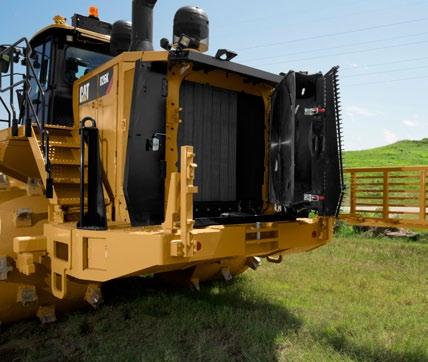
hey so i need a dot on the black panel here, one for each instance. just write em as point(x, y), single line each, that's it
point(250, 152)
point(144, 171)
point(92, 24)
point(63, 110)
point(239, 218)
point(214, 208)
point(309, 138)
point(226, 129)
point(95, 216)
point(282, 142)
point(209, 124)
point(207, 62)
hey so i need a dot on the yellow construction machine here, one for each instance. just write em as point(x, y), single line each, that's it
point(119, 160)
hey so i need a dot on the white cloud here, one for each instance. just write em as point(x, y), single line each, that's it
point(390, 136)
point(411, 123)
point(415, 121)
point(354, 111)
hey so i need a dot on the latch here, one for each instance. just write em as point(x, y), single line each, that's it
point(4, 267)
point(313, 198)
point(153, 144)
point(314, 111)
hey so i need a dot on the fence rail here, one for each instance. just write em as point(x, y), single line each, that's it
point(386, 196)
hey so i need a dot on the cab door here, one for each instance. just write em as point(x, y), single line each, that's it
point(41, 60)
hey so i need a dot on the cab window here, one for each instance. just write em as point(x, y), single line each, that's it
point(79, 62)
point(41, 60)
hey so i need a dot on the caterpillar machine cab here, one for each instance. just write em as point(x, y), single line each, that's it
point(119, 160)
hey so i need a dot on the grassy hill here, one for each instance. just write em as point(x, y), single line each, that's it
point(402, 153)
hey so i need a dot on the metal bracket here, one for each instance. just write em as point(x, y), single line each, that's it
point(34, 187)
point(173, 204)
point(59, 283)
point(254, 262)
point(29, 250)
point(93, 295)
point(4, 182)
point(27, 294)
point(186, 245)
point(23, 217)
point(46, 314)
point(4, 267)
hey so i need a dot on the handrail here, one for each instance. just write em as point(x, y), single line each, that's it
point(388, 168)
point(28, 52)
point(82, 165)
point(15, 52)
point(7, 110)
point(95, 217)
point(8, 75)
point(30, 73)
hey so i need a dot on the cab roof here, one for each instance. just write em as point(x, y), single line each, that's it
point(53, 28)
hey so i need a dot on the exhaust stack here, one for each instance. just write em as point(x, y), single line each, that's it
point(142, 25)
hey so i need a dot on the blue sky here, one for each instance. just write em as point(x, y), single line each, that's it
point(381, 46)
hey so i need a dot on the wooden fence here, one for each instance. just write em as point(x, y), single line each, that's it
point(386, 196)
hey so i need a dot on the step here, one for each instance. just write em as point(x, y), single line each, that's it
point(63, 156)
point(65, 171)
point(67, 174)
point(72, 201)
point(66, 180)
point(58, 127)
point(60, 141)
point(66, 162)
point(68, 194)
point(62, 144)
point(58, 136)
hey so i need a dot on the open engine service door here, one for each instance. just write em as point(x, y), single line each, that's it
point(305, 156)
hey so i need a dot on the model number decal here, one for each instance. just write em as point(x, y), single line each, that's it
point(104, 79)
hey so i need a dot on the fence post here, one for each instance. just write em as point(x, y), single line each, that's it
point(422, 196)
point(353, 195)
point(385, 195)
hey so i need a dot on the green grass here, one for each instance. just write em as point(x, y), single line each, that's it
point(403, 153)
point(353, 300)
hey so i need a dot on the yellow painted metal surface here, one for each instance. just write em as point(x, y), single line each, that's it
point(386, 196)
point(148, 250)
point(22, 294)
point(16, 156)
